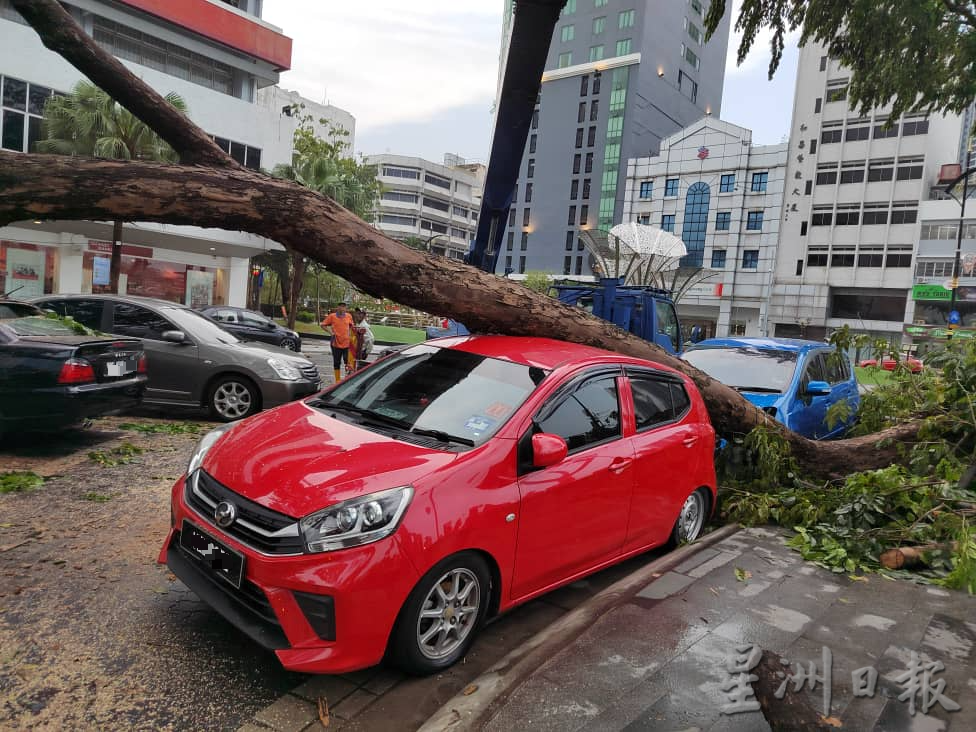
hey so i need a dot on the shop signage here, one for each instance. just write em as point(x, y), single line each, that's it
point(101, 270)
point(930, 292)
point(130, 250)
point(936, 332)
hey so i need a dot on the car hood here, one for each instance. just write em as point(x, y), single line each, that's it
point(297, 459)
point(761, 399)
point(265, 350)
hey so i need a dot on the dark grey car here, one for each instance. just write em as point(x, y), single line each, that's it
point(192, 360)
point(250, 326)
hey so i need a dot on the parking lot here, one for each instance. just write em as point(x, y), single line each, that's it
point(95, 634)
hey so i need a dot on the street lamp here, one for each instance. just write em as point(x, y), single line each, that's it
point(962, 223)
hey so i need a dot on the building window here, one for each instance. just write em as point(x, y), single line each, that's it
point(586, 188)
point(754, 221)
point(695, 224)
point(581, 112)
point(530, 168)
point(905, 212)
point(596, 53)
point(584, 84)
point(803, 228)
point(826, 174)
point(750, 259)
point(535, 119)
point(914, 127)
point(816, 258)
point(436, 180)
point(822, 216)
point(597, 78)
point(874, 214)
point(576, 162)
point(690, 57)
point(836, 93)
point(510, 244)
point(399, 197)
point(528, 193)
point(508, 265)
point(727, 183)
point(436, 204)
point(853, 134)
point(511, 216)
point(723, 220)
point(594, 110)
point(759, 181)
point(898, 258)
point(852, 172)
point(398, 220)
point(870, 259)
point(524, 243)
point(521, 265)
point(526, 216)
point(646, 188)
point(718, 259)
point(599, 25)
point(579, 139)
point(842, 258)
point(879, 170)
point(870, 304)
point(571, 219)
point(909, 169)
point(694, 33)
point(567, 265)
point(880, 132)
point(569, 8)
point(667, 222)
point(831, 135)
point(799, 267)
point(565, 59)
point(599, 3)
point(591, 137)
point(625, 19)
point(570, 236)
point(644, 219)
point(671, 188)
point(817, 105)
point(623, 47)
point(568, 33)
point(823, 63)
point(584, 215)
point(579, 265)
point(22, 114)
point(574, 190)
point(392, 172)
point(589, 163)
point(813, 146)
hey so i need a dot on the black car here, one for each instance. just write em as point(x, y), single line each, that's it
point(251, 326)
point(51, 375)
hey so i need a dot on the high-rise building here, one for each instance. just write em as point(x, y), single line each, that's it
point(854, 186)
point(621, 75)
point(723, 197)
point(224, 61)
point(423, 201)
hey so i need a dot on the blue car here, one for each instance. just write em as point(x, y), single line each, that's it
point(795, 381)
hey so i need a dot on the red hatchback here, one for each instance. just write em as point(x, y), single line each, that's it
point(453, 480)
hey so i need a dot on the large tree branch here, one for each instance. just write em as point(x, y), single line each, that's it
point(60, 33)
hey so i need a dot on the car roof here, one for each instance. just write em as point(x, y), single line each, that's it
point(546, 353)
point(794, 345)
point(136, 299)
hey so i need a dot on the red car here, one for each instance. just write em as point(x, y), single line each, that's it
point(890, 364)
point(453, 480)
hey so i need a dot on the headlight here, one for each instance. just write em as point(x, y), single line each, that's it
point(284, 369)
point(357, 521)
point(206, 442)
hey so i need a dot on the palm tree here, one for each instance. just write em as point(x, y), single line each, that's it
point(89, 122)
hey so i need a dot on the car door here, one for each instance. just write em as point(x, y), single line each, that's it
point(254, 328)
point(230, 321)
point(666, 458)
point(572, 514)
point(842, 389)
point(173, 367)
point(808, 412)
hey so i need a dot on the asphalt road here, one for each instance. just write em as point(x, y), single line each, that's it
point(95, 635)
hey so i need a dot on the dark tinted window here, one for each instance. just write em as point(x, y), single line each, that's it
point(652, 402)
point(744, 367)
point(86, 312)
point(679, 397)
point(815, 371)
point(589, 415)
point(838, 368)
point(139, 322)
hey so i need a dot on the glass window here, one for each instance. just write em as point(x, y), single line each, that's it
point(37, 99)
point(652, 402)
point(139, 322)
point(38, 325)
point(596, 53)
point(750, 259)
point(723, 220)
point(754, 221)
point(14, 93)
point(646, 188)
point(727, 183)
point(591, 414)
point(599, 25)
point(570, 7)
point(623, 47)
point(695, 224)
point(667, 321)
point(753, 369)
point(13, 131)
point(568, 33)
point(667, 222)
point(86, 312)
point(718, 259)
point(625, 19)
point(670, 187)
point(599, 3)
point(759, 181)
point(565, 59)
point(680, 400)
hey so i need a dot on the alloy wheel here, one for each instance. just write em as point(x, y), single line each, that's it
point(289, 344)
point(692, 517)
point(232, 400)
point(449, 613)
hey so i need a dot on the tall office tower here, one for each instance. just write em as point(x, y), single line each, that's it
point(621, 75)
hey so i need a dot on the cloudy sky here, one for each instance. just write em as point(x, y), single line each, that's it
point(420, 77)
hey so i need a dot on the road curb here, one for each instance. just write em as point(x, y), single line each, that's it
point(488, 693)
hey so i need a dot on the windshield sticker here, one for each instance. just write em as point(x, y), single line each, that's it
point(498, 410)
point(393, 413)
point(478, 424)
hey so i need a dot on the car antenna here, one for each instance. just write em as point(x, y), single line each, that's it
point(11, 292)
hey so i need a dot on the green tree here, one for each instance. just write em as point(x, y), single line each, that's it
point(911, 54)
point(321, 164)
point(89, 122)
point(537, 281)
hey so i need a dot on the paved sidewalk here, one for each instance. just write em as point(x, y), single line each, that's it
point(659, 661)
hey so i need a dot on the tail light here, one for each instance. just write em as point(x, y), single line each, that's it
point(76, 371)
point(143, 366)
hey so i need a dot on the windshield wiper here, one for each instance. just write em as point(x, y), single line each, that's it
point(758, 389)
point(443, 436)
point(367, 413)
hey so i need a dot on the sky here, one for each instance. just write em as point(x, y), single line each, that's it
point(420, 77)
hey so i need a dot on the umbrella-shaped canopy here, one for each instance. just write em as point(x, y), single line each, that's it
point(648, 241)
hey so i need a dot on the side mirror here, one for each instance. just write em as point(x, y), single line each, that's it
point(174, 336)
point(818, 388)
point(547, 449)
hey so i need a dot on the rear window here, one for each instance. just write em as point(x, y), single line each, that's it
point(39, 325)
point(10, 310)
point(746, 368)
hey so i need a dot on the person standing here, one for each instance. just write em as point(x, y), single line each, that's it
point(362, 344)
point(340, 323)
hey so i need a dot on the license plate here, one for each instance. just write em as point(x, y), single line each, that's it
point(118, 368)
point(219, 558)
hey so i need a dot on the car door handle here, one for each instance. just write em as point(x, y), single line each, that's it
point(619, 465)
point(690, 441)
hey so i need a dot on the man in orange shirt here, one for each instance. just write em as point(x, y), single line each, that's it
point(340, 322)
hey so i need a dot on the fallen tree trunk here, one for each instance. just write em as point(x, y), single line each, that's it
point(792, 713)
point(222, 194)
point(907, 557)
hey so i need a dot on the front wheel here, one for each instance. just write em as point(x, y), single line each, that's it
point(691, 519)
point(438, 623)
point(289, 344)
point(233, 397)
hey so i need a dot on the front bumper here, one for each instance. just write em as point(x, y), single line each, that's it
point(290, 603)
point(276, 393)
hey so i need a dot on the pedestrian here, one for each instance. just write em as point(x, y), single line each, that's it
point(363, 340)
point(340, 323)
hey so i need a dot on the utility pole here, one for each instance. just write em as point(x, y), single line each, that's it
point(962, 223)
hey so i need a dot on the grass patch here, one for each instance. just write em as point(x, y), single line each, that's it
point(116, 456)
point(872, 375)
point(19, 481)
point(167, 428)
point(383, 333)
point(96, 497)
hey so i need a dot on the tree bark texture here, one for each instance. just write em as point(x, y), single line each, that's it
point(792, 713)
point(216, 192)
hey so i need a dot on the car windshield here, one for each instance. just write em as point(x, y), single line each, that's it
point(199, 326)
point(745, 368)
point(40, 325)
point(451, 395)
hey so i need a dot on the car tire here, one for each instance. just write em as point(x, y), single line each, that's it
point(289, 343)
point(433, 630)
point(691, 518)
point(233, 397)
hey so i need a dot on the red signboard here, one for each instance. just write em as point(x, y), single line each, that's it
point(224, 26)
point(130, 249)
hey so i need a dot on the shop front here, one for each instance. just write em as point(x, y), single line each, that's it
point(936, 318)
point(27, 270)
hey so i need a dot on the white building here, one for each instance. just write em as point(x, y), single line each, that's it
point(851, 215)
point(224, 61)
point(423, 200)
point(723, 197)
point(279, 112)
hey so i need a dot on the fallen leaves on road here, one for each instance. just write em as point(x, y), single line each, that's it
point(832, 721)
point(324, 711)
point(742, 574)
point(470, 689)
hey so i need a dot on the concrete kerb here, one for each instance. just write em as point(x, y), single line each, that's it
point(478, 703)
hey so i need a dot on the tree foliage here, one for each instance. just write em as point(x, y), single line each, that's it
point(909, 54)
